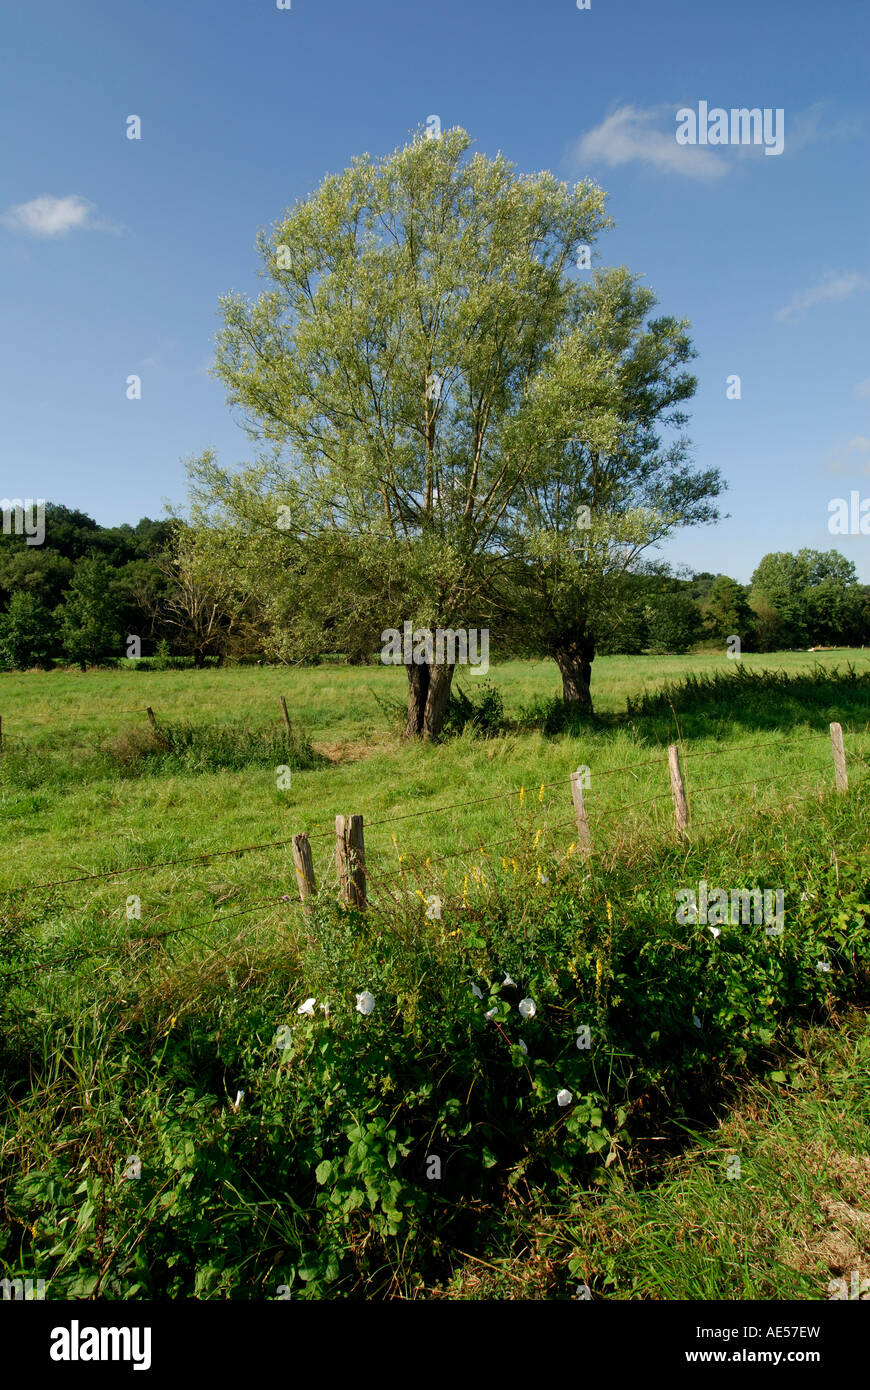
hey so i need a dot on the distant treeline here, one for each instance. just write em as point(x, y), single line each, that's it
point(93, 594)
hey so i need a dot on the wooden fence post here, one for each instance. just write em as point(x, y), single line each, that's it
point(304, 865)
point(286, 718)
point(151, 720)
point(839, 758)
point(678, 791)
point(584, 839)
point(350, 856)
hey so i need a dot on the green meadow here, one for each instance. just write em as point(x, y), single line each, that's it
point(154, 959)
point(82, 792)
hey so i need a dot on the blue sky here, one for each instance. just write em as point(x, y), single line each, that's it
point(113, 252)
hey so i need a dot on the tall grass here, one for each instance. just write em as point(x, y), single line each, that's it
point(132, 1034)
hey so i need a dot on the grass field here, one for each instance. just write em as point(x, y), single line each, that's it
point(72, 798)
point(136, 1004)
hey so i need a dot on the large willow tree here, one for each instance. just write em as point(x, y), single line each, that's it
point(608, 475)
point(393, 362)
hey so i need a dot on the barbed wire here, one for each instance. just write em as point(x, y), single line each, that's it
point(746, 782)
point(206, 856)
point(146, 937)
point(742, 747)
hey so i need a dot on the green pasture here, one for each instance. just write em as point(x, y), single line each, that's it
point(73, 802)
point(136, 1006)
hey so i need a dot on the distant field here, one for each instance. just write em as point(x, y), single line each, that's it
point(336, 702)
point(62, 810)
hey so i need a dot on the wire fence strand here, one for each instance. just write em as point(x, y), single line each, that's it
point(206, 856)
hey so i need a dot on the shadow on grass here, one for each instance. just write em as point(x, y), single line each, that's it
point(721, 701)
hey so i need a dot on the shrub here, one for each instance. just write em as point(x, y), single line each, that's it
point(27, 633)
point(323, 1181)
point(482, 712)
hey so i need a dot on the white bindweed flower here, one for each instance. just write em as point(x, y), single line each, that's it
point(508, 981)
point(325, 1007)
point(523, 1047)
point(564, 1097)
point(492, 1013)
point(478, 993)
point(717, 931)
point(696, 1020)
point(365, 1002)
point(240, 1095)
point(823, 965)
point(307, 1007)
point(528, 1008)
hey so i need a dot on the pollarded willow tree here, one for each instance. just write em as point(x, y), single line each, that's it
point(605, 486)
point(393, 359)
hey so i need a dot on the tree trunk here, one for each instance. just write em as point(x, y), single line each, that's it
point(428, 700)
point(418, 690)
point(574, 660)
point(437, 700)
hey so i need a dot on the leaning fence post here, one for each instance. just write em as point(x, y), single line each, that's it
point(151, 720)
point(351, 859)
point(678, 791)
point(839, 758)
point(304, 865)
point(287, 718)
point(584, 839)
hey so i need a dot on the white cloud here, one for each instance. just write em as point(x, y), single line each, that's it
point(839, 457)
point(47, 216)
point(834, 286)
point(811, 125)
point(628, 135)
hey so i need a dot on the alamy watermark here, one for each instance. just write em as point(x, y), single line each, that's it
point(77, 1343)
point(27, 517)
point(442, 647)
point(740, 126)
point(856, 1288)
point(715, 907)
point(19, 1290)
point(850, 518)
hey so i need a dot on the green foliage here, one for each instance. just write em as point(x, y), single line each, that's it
point(321, 1181)
point(552, 715)
point(673, 623)
point(812, 597)
point(192, 747)
point(27, 633)
point(726, 613)
point(90, 615)
point(443, 296)
point(481, 712)
point(627, 632)
point(767, 698)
